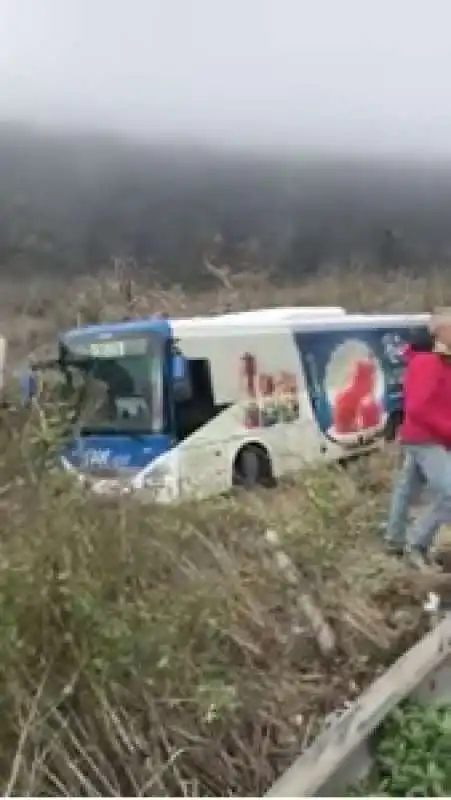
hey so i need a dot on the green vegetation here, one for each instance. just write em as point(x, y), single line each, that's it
point(156, 650)
point(412, 756)
point(160, 651)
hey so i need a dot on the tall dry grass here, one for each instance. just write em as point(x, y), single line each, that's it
point(157, 651)
point(31, 315)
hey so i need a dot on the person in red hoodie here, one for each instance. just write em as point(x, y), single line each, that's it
point(409, 480)
point(425, 433)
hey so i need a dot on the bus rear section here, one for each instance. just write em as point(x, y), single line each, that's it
point(354, 377)
point(265, 399)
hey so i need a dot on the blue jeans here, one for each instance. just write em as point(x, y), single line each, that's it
point(408, 483)
point(434, 463)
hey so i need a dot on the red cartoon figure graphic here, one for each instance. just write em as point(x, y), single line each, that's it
point(344, 410)
point(369, 410)
point(355, 386)
point(356, 408)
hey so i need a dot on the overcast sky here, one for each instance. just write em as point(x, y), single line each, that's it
point(354, 74)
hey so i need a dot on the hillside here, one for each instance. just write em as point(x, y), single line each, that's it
point(71, 203)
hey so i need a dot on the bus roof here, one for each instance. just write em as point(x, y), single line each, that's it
point(260, 316)
point(138, 326)
point(231, 324)
point(281, 312)
point(252, 316)
point(351, 322)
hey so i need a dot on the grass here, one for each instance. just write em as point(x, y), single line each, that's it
point(161, 650)
point(164, 650)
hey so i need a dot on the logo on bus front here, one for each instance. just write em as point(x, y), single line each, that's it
point(103, 458)
point(94, 458)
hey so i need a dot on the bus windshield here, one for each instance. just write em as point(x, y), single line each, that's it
point(121, 383)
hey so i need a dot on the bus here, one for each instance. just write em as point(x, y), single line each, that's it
point(184, 408)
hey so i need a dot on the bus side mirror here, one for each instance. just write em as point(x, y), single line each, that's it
point(181, 378)
point(179, 368)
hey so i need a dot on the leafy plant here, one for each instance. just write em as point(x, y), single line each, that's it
point(412, 754)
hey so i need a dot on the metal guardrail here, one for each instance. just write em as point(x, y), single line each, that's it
point(341, 755)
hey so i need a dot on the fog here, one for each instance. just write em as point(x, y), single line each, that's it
point(344, 75)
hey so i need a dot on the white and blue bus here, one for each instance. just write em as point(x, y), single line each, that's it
point(192, 407)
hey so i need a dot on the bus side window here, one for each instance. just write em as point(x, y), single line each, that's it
point(196, 407)
point(183, 389)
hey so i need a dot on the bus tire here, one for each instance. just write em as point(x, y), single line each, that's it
point(252, 468)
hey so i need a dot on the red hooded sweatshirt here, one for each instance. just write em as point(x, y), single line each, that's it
point(427, 400)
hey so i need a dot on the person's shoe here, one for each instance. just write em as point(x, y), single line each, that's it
point(421, 560)
point(416, 558)
point(434, 561)
point(393, 549)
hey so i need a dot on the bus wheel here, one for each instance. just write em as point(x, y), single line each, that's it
point(252, 468)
